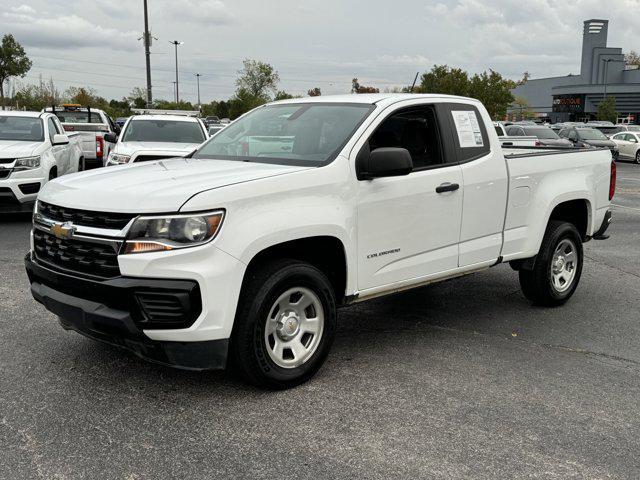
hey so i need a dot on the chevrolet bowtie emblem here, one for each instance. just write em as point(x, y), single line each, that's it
point(63, 230)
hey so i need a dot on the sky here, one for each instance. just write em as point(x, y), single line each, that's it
point(320, 43)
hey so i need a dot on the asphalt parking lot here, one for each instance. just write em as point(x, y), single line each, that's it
point(462, 379)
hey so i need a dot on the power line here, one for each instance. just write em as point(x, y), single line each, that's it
point(230, 75)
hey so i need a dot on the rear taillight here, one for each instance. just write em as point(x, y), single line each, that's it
point(68, 128)
point(538, 144)
point(99, 146)
point(612, 181)
point(245, 149)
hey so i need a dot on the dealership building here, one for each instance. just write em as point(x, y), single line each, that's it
point(603, 73)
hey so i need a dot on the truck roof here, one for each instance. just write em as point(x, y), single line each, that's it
point(176, 118)
point(18, 113)
point(370, 98)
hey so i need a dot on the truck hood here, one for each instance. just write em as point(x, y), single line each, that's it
point(151, 187)
point(129, 148)
point(17, 148)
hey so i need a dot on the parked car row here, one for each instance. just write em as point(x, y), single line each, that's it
point(38, 146)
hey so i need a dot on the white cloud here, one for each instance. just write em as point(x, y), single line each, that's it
point(408, 60)
point(206, 12)
point(62, 31)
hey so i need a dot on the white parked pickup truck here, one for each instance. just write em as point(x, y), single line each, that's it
point(152, 137)
point(226, 258)
point(91, 125)
point(33, 149)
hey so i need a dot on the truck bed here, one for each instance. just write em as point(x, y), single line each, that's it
point(539, 179)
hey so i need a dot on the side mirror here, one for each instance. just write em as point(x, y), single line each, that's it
point(386, 162)
point(110, 137)
point(60, 139)
point(117, 129)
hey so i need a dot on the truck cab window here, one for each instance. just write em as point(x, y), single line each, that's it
point(414, 129)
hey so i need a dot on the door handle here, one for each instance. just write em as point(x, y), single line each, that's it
point(447, 187)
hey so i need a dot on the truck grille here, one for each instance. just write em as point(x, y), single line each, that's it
point(95, 259)
point(5, 172)
point(85, 217)
point(164, 308)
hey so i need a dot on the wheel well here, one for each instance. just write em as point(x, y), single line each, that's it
point(325, 253)
point(575, 212)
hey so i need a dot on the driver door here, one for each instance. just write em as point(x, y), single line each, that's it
point(408, 227)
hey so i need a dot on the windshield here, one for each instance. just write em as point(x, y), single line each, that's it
point(591, 134)
point(308, 134)
point(541, 133)
point(28, 129)
point(147, 130)
point(78, 117)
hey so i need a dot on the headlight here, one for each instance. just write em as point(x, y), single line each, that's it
point(117, 158)
point(27, 163)
point(154, 234)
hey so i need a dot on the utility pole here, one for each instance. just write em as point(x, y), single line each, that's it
point(175, 43)
point(147, 53)
point(198, 80)
point(173, 87)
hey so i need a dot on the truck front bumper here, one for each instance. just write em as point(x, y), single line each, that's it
point(113, 311)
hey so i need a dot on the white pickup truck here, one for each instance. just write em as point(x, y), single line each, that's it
point(152, 137)
point(222, 258)
point(91, 125)
point(33, 149)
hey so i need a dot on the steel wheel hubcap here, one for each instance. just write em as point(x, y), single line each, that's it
point(294, 327)
point(563, 265)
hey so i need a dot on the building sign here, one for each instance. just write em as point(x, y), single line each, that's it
point(568, 103)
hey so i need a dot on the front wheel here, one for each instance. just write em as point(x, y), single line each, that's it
point(285, 324)
point(557, 268)
point(638, 157)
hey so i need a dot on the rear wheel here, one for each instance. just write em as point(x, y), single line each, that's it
point(557, 268)
point(638, 157)
point(53, 173)
point(285, 324)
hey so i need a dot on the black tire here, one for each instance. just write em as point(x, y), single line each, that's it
point(536, 284)
point(248, 355)
point(638, 157)
point(53, 173)
point(82, 164)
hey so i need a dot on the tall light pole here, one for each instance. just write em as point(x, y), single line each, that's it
point(175, 43)
point(147, 54)
point(198, 81)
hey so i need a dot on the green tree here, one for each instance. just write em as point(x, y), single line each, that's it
point(36, 97)
point(442, 79)
point(314, 92)
point(13, 62)
point(522, 108)
point(243, 101)
point(607, 110)
point(257, 79)
point(282, 95)
point(138, 97)
point(493, 90)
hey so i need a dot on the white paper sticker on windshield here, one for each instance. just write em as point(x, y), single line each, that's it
point(468, 128)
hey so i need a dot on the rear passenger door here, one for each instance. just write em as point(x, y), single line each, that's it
point(408, 227)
